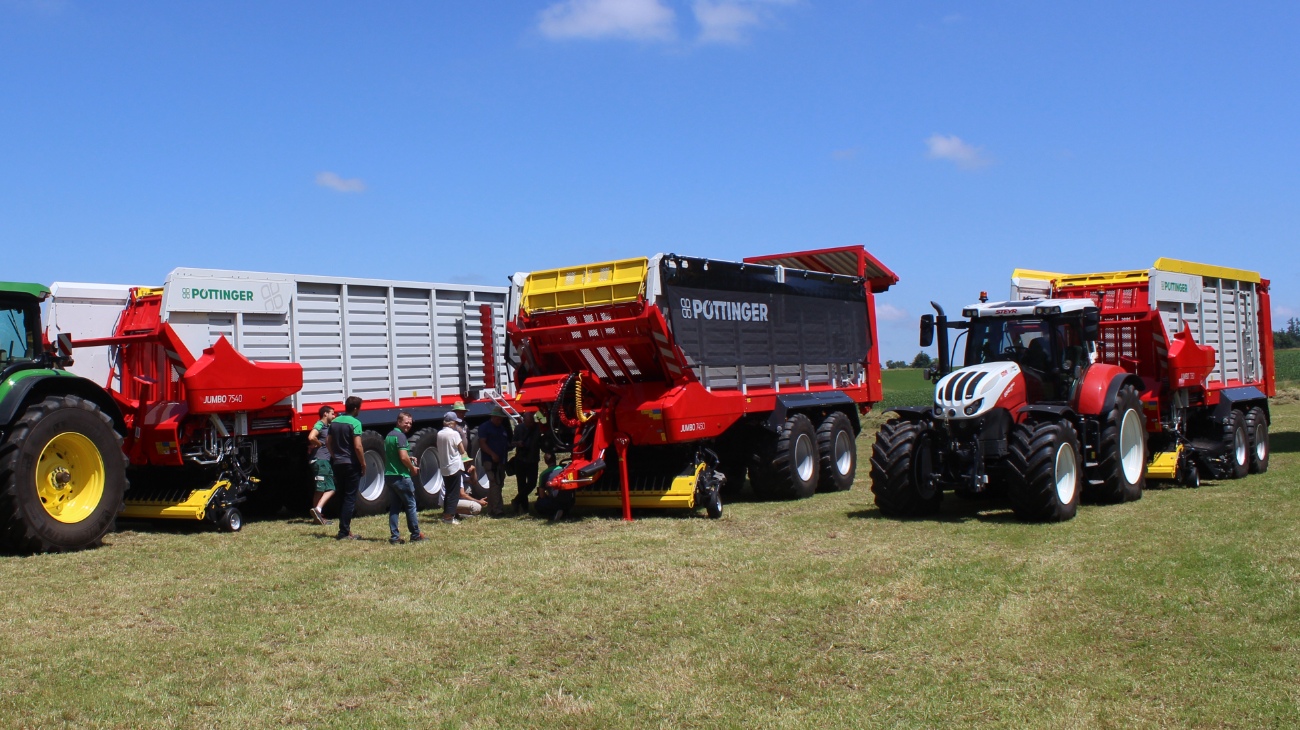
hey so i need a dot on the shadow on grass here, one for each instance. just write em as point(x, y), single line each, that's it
point(1286, 442)
point(993, 510)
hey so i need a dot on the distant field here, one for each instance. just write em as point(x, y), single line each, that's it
point(906, 387)
point(1286, 362)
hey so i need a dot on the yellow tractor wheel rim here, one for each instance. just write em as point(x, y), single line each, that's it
point(70, 477)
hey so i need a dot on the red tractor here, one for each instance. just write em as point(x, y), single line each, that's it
point(1086, 393)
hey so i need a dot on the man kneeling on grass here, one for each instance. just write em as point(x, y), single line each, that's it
point(398, 471)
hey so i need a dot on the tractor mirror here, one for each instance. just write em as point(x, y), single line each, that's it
point(927, 330)
point(1091, 324)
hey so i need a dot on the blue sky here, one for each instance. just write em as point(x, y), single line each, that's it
point(453, 141)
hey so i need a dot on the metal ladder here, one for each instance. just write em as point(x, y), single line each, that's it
point(500, 401)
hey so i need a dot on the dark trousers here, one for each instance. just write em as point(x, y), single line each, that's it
point(526, 476)
point(451, 494)
point(347, 480)
point(401, 495)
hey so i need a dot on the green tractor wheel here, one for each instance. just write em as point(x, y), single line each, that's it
point(62, 477)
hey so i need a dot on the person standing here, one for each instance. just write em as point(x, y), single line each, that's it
point(527, 445)
point(320, 462)
point(348, 458)
point(494, 443)
point(451, 462)
point(398, 471)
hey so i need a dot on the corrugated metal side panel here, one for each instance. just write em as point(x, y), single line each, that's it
point(413, 342)
point(449, 312)
point(1229, 323)
point(319, 333)
point(265, 337)
point(366, 344)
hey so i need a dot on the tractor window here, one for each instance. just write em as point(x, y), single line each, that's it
point(1024, 341)
point(16, 333)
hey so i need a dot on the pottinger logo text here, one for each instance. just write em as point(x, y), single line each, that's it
point(1177, 286)
point(219, 295)
point(724, 310)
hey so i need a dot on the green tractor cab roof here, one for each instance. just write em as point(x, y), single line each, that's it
point(39, 291)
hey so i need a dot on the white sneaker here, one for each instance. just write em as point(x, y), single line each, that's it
point(320, 518)
point(452, 521)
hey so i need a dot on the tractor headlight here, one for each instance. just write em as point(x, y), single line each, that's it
point(970, 409)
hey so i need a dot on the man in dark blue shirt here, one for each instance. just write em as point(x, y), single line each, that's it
point(494, 444)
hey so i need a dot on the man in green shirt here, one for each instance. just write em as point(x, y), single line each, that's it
point(343, 440)
point(398, 470)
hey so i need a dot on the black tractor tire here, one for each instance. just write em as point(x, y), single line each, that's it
point(428, 482)
point(838, 453)
point(901, 467)
point(1121, 471)
point(1236, 445)
point(1046, 471)
point(794, 465)
point(1257, 432)
point(32, 449)
point(372, 497)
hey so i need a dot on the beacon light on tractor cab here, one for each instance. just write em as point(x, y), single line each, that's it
point(1075, 387)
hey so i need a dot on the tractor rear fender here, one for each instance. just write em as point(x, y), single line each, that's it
point(1240, 399)
point(1046, 413)
point(912, 414)
point(36, 387)
point(812, 404)
point(1101, 383)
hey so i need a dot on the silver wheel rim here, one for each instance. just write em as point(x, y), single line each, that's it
point(843, 453)
point(1239, 448)
point(374, 484)
point(1261, 443)
point(430, 473)
point(1066, 473)
point(1131, 457)
point(235, 522)
point(804, 457)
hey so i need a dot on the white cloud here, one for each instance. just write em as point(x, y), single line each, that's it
point(647, 20)
point(890, 313)
point(727, 21)
point(342, 184)
point(956, 151)
point(724, 22)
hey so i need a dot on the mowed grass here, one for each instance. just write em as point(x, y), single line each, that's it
point(1177, 610)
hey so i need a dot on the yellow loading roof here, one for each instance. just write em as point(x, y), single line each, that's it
point(589, 285)
point(1175, 266)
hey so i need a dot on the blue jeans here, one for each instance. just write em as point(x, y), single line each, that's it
point(401, 498)
point(451, 497)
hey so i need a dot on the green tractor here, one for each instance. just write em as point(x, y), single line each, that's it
point(62, 470)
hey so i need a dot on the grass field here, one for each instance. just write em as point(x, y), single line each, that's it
point(1177, 610)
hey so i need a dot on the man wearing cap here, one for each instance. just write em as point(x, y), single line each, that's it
point(494, 443)
point(451, 461)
